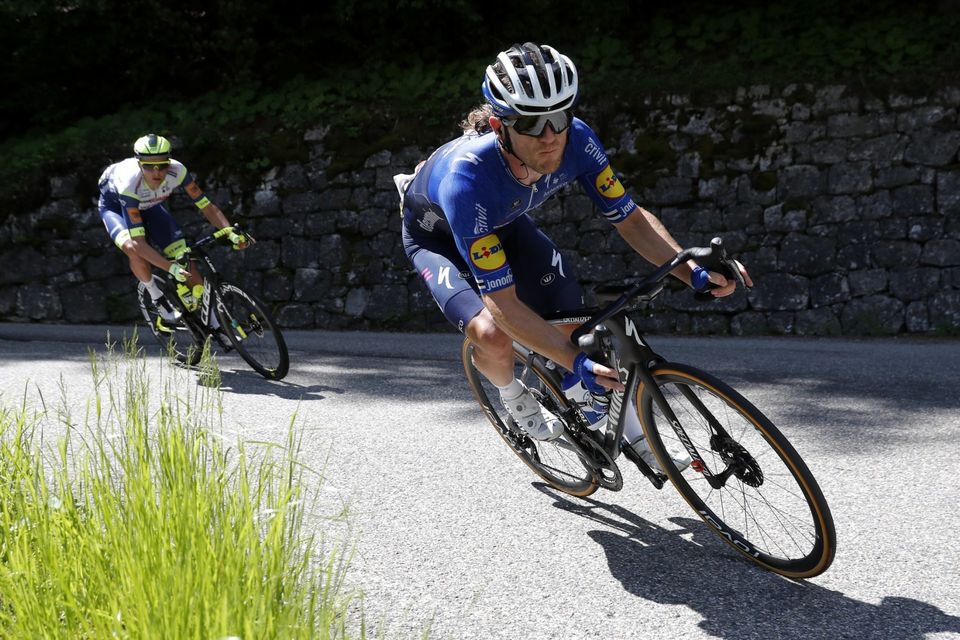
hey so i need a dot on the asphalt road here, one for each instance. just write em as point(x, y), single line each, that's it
point(454, 535)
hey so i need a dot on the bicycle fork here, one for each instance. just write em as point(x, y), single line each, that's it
point(736, 458)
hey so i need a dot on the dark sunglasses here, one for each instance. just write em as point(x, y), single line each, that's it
point(156, 166)
point(536, 125)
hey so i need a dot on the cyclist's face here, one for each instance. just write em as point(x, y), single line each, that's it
point(542, 153)
point(155, 173)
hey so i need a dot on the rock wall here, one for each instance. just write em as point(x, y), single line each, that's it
point(845, 208)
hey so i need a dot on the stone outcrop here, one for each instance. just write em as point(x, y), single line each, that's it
point(845, 208)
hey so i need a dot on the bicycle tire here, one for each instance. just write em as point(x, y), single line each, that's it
point(181, 343)
point(543, 457)
point(770, 509)
point(251, 330)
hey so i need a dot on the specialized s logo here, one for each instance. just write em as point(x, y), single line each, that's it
point(487, 253)
point(608, 185)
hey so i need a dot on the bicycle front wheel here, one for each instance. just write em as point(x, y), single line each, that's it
point(746, 480)
point(558, 461)
point(252, 332)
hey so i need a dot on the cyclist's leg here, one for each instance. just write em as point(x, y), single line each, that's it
point(493, 348)
point(451, 284)
point(545, 281)
point(130, 236)
point(166, 236)
point(124, 234)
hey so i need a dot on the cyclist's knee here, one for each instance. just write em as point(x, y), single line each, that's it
point(484, 333)
point(132, 247)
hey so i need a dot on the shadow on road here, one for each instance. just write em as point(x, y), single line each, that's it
point(252, 383)
point(691, 567)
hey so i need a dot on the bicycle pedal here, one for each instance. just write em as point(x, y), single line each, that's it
point(162, 327)
point(657, 480)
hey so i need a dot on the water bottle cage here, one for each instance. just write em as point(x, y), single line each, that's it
point(186, 296)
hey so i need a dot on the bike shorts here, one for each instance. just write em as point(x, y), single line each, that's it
point(543, 280)
point(161, 229)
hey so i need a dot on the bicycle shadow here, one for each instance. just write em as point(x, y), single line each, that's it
point(693, 568)
point(245, 382)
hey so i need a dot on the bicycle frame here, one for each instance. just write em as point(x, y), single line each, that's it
point(198, 320)
point(633, 359)
point(789, 513)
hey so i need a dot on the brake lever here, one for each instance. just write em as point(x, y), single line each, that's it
point(719, 262)
point(250, 239)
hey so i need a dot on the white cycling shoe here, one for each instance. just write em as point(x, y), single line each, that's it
point(530, 416)
point(681, 459)
point(166, 317)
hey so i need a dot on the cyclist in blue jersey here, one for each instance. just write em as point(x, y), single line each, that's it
point(132, 193)
point(468, 232)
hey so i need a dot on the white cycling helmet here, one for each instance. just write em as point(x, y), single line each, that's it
point(530, 80)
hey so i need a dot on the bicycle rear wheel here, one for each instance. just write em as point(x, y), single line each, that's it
point(747, 482)
point(252, 332)
point(176, 338)
point(558, 461)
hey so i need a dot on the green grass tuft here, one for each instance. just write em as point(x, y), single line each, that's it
point(144, 522)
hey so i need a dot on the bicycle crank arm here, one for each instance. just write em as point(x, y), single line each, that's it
point(656, 478)
point(596, 459)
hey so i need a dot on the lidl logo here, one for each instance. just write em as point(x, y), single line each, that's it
point(608, 185)
point(487, 253)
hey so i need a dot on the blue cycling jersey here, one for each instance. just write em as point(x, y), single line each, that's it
point(466, 190)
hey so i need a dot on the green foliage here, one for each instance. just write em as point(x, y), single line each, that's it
point(812, 40)
point(252, 128)
point(376, 90)
point(143, 523)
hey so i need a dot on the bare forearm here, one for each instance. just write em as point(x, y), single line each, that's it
point(215, 216)
point(648, 237)
point(529, 329)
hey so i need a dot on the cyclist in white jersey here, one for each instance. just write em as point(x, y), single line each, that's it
point(132, 193)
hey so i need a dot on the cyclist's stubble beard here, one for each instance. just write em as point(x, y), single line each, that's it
point(543, 155)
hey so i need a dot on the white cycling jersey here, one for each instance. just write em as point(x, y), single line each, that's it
point(126, 180)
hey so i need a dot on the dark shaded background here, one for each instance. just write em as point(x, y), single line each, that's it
point(66, 59)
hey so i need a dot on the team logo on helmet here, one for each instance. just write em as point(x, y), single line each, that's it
point(487, 253)
point(608, 185)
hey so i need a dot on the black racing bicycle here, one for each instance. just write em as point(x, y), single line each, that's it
point(243, 322)
point(745, 480)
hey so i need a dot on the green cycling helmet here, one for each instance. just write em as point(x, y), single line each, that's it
point(152, 148)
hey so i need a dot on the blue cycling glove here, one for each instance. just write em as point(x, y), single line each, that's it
point(700, 279)
point(583, 368)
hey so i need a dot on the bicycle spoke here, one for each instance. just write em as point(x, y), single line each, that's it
point(251, 331)
point(556, 461)
point(178, 341)
point(753, 496)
